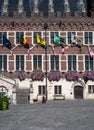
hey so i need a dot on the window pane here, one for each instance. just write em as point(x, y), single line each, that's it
point(20, 62)
point(19, 37)
point(37, 62)
point(71, 62)
point(52, 34)
point(3, 63)
point(54, 62)
point(88, 38)
point(1, 36)
point(59, 89)
point(34, 37)
point(70, 36)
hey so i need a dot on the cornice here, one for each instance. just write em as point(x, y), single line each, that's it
point(60, 24)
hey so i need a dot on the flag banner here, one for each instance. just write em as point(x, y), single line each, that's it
point(6, 42)
point(26, 41)
point(58, 40)
point(21, 39)
point(53, 48)
point(11, 51)
point(39, 40)
point(91, 53)
point(76, 41)
point(63, 49)
point(31, 48)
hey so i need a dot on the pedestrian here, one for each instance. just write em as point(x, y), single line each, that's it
point(43, 99)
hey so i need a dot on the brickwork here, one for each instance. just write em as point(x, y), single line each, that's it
point(61, 24)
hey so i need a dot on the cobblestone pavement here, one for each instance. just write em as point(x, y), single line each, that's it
point(53, 115)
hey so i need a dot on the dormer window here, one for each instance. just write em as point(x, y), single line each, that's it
point(5, 2)
point(4, 9)
point(20, 9)
point(35, 2)
point(20, 2)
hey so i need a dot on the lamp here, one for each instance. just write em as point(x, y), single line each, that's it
point(45, 28)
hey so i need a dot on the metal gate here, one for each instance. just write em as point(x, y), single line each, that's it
point(78, 92)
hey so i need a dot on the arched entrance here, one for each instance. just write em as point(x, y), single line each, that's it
point(78, 92)
point(3, 90)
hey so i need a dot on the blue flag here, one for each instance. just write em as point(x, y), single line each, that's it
point(6, 42)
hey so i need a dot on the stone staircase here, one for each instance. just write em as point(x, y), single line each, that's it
point(22, 96)
point(7, 79)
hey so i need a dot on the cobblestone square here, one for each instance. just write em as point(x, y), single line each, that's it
point(53, 115)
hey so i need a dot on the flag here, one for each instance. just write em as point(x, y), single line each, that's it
point(11, 51)
point(6, 42)
point(76, 41)
point(91, 52)
point(22, 39)
point(31, 48)
point(39, 40)
point(63, 49)
point(58, 39)
point(26, 41)
point(53, 48)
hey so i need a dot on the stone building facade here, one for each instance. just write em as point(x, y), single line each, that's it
point(76, 62)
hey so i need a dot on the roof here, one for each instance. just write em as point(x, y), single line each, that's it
point(43, 6)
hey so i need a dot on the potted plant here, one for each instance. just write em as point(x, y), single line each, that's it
point(21, 76)
point(72, 76)
point(37, 76)
point(4, 103)
point(54, 76)
point(0, 102)
point(88, 76)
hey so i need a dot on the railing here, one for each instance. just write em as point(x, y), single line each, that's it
point(7, 79)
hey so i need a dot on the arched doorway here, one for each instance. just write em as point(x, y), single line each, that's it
point(78, 92)
point(3, 90)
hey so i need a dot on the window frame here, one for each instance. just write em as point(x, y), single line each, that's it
point(88, 38)
point(20, 63)
point(91, 89)
point(4, 66)
point(72, 65)
point(90, 63)
point(39, 66)
point(54, 62)
point(57, 89)
point(18, 36)
point(41, 90)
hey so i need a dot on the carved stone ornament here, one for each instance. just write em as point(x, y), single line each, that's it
point(20, 2)
point(20, 8)
point(83, 8)
point(35, 9)
point(4, 9)
point(5, 2)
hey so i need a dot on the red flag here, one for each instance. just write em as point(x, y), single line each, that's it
point(91, 52)
point(26, 41)
point(63, 50)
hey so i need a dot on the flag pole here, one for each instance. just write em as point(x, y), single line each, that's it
point(46, 90)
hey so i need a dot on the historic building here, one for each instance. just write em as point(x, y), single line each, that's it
point(46, 49)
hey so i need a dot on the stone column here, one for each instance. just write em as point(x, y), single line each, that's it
point(14, 94)
point(20, 7)
point(51, 7)
point(31, 92)
point(83, 7)
point(36, 10)
point(67, 7)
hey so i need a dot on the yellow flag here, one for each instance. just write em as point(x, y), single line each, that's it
point(40, 40)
